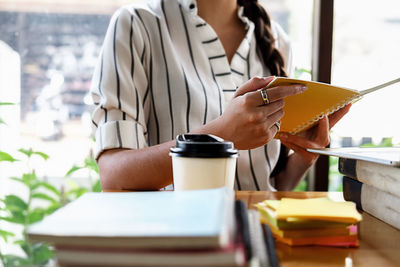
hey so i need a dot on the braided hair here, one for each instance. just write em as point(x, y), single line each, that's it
point(270, 55)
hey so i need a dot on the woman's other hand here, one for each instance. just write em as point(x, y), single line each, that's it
point(247, 121)
point(315, 137)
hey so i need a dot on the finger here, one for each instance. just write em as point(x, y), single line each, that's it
point(253, 84)
point(322, 132)
point(280, 92)
point(299, 141)
point(309, 157)
point(294, 147)
point(272, 108)
point(336, 116)
point(274, 117)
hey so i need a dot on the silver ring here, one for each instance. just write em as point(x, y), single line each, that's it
point(264, 96)
point(278, 125)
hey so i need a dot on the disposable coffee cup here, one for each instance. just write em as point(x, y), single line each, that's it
point(201, 161)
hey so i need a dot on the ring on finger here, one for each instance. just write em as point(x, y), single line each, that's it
point(278, 125)
point(264, 96)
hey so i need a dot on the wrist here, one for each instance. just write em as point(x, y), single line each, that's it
point(306, 161)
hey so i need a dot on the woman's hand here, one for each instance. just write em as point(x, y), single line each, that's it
point(315, 137)
point(247, 121)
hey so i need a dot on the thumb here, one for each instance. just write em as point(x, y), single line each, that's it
point(254, 84)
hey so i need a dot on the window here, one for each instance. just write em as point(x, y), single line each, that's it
point(366, 53)
point(48, 51)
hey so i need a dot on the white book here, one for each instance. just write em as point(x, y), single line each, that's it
point(162, 219)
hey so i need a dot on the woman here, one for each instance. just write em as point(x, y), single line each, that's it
point(178, 66)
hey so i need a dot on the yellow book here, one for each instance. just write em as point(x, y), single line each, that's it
point(303, 110)
point(318, 209)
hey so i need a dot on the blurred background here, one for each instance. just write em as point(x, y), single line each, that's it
point(48, 50)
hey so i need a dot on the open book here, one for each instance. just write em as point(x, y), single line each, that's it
point(302, 111)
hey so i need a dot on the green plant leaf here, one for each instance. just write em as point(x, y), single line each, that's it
point(91, 164)
point(15, 217)
point(43, 196)
point(52, 208)
point(97, 186)
point(27, 152)
point(41, 154)
point(2, 121)
point(15, 203)
point(20, 242)
point(14, 260)
point(17, 179)
point(47, 186)
point(76, 192)
point(5, 235)
point(42, 254)
point(6, 157)
point(36, 215)
point(72, 170)
point(29, 178)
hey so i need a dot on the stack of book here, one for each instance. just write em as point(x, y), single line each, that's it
point(374, 185)
point(185, 228)
point(371, 179)
point(314, 221)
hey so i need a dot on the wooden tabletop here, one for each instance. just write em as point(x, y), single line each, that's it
point(379, 242)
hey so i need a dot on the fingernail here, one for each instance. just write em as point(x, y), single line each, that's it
point(268, 78)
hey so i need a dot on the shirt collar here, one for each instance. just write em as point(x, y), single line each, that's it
point(191, 7)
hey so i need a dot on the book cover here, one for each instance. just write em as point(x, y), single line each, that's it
point(376, 202)
point(303, 110)
point(232, 255)
point(199, 218)
point(380, 155)
point(382, 176)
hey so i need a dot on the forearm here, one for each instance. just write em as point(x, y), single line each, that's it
point(296, 168)
point(143, 169)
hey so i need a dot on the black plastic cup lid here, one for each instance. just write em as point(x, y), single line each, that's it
point(203, 146)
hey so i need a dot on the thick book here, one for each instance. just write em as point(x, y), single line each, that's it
point(382, 176)
point(303, 110)
point(185, 219)
point(231, 255)
point(250, 247)
point(378, 203)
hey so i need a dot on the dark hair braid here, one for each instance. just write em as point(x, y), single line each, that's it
point(265, 41)
point(270, 55)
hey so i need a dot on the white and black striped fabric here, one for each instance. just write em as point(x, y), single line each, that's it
point(163, 72)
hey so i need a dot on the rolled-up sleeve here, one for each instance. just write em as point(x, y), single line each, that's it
point(119, 85)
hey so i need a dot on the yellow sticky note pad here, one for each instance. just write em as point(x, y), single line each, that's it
point(272, 204)
point(318, 209)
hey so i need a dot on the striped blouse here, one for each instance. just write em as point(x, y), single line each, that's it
point(163, 71)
